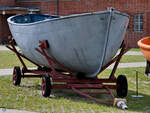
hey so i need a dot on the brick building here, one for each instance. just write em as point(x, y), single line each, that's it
point(139, 11)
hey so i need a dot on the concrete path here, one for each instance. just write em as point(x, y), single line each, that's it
point(3, 110)
point(9, 71)
point(137, 53)
point(3, 48)
point(6, 72)
point(129, 65)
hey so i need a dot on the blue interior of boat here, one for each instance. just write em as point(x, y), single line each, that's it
point(30, 18)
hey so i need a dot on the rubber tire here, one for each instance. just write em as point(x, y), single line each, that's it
point(122, 86)
point(46, 86)
point(16, 76)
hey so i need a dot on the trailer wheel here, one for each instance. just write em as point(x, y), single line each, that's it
point(16, 75)
point(122, 86)
point(46, 86)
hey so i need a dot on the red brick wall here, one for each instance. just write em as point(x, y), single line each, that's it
point(46, 7)
point(4, 30)
point(80, 6)
point(67, 7)
point(7, 2)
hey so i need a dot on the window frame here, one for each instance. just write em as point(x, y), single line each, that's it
point(138, 23)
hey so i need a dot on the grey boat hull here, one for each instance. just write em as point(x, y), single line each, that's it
point(82, 43)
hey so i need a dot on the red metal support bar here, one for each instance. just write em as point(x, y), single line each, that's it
point(84, 86)
point(55, 62)
point(112, 61)
point(12, 42)
point(103, 93)
point(49, 62)
point(43, 45)
point(36, 71)
point(117, 61)
point(67, 86)
point(32, 76)
point(69, 80)
point(107, 88)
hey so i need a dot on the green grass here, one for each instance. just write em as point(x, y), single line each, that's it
point(28, 96)
point(8, 60)
point(135, 49)
point(132, 58)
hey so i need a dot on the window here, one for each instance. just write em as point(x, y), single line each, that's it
point(138, 23)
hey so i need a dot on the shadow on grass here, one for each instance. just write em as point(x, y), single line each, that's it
point(37, 87)
point(138, 104)
point(134, 104)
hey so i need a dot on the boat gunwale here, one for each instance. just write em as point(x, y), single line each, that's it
point(64, 17)
point(143, 45)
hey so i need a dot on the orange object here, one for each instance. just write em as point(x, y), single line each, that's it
point(144, 45)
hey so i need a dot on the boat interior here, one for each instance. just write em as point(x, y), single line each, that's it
point(30, 18)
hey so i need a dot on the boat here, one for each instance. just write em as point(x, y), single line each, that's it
point(144, 45)
point(83, 43)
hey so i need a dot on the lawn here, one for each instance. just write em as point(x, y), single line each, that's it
point(28, 96)
point(132, 58)
point(8, 59)
point(135, 49)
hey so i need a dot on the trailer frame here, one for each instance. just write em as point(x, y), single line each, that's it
point(70, 80)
